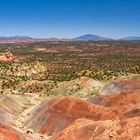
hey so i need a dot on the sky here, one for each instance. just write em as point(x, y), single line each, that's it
point(70, 18)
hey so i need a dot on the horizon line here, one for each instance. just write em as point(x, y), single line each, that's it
point(51, 37)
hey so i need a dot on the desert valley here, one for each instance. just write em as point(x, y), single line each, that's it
point(69, 89)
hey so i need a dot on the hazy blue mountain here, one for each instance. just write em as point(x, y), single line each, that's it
point(91, 37)
point(131, 38)
point(2, 37)
point(14, 37)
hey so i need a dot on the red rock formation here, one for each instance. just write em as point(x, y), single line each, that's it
point(115, 117)
point(7, 133)
point(56, 114)
point(84, 129)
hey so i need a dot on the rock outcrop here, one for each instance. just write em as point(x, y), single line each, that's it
point(7, 56)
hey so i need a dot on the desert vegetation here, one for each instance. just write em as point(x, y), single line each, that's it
point(69, 60)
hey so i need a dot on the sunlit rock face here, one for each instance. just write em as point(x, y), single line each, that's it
point(7, 56)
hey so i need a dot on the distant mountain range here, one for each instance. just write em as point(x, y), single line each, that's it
point(101, 38)
point(131, 38)
point(86, 37)
point(15, 37)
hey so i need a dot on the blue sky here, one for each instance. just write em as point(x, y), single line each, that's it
point(70, 18)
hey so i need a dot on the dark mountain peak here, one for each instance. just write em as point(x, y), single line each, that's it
point(91, 37)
